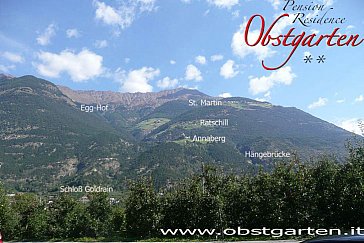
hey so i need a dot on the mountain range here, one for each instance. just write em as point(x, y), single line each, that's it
point(50, 137)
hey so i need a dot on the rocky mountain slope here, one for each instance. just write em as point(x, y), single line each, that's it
point(48, 139)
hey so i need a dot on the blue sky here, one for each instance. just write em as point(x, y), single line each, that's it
point(151, 45)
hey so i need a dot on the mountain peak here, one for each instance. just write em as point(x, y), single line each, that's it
point(130, 99)
point(183, 92)
point(6, 76)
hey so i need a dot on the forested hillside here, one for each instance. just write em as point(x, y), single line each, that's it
point(51, 138)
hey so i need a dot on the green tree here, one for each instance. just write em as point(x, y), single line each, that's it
point(8, 218)
point(238, 202)
point(350, 186)
point(141, 211)
point(325, 198)
point(196, 203)
point(100, 212)
point(38, 224)
point(69, 219)
point(118, 220)
point(26, 205)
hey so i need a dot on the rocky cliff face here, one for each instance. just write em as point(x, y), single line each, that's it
point(151, 99)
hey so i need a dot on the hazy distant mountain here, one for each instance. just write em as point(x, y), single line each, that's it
point(47, 140)
point(5, 76)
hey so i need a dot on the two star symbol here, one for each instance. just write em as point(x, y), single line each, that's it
point(309, 59)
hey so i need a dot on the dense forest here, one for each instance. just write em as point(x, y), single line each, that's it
point(321, 194)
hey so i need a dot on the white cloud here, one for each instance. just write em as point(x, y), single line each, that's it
point(186, 1)
point(266, 98)
point(307, 54)
point(319, 103)
point(340, 101)
point(79, 66)
point(193, 73)
point(261, 99)
point(241, 49)
point(101, 44)
point(225, 95)
point(216, 57)
point(124, 15)
point(172, 62)
point(351, 125)
point(275, 3)
point(235, 14)
point(146, 5)
point(200, 60)
point(108, 14)
point(137, 80)
point(328, 2)
point(228, 69)
point(223, 3)
point(315, 31)
point(186, 86)
point(314, 13)
point(360, 98)
point(73, 33)
point(263, 84)
point(167, 83)
point(349, 27)
point(45, 38)
point(7, 41)
point(13, 57)
point(6, 69)
point(282, 24)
